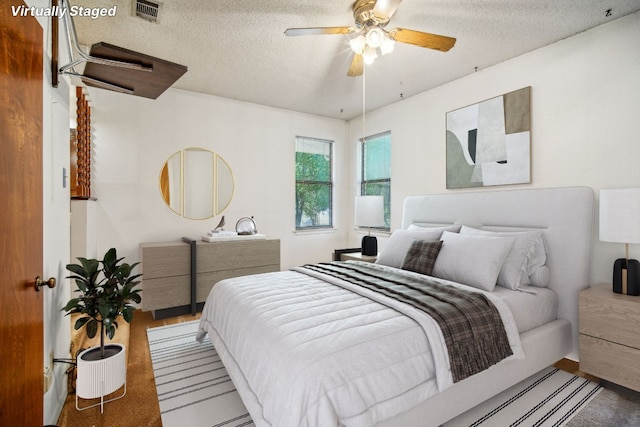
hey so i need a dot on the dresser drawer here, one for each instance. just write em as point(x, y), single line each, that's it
point(610, 361)
point(610, 316)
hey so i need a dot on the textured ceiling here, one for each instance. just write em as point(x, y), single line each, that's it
point(237, 48)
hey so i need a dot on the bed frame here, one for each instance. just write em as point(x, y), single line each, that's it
point(565, 216)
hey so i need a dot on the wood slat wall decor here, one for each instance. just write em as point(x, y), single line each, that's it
point(81, 149)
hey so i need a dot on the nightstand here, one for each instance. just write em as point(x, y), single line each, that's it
point(610, 335)
point(357, 256)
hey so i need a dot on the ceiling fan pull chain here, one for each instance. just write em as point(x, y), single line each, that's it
point(364, 79)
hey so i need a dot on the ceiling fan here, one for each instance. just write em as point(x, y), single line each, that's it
point(371, 17)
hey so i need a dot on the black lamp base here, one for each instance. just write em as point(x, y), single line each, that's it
point(632, 269)
point(369, 245)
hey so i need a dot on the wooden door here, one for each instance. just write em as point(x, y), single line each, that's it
point(21, 336)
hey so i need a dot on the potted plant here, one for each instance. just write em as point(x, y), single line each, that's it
point(106, 289)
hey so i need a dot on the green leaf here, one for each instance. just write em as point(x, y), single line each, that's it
point(77, 269)
point(90, 266)
point(132, 279)
point(71, 304)
point(92, 328)
point(136, 298)
point(111, 331)
point(109, 262)
point(110, 257)
point(127, 314)
point(80, 322)
point(82, 285)
point(124, 270)
point(105, 309)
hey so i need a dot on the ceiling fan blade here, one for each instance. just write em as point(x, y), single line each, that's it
point(418, 38)
point(318, 31)
point(386, 8)
point(357, 66)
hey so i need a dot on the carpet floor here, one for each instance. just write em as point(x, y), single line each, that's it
point(613, 407)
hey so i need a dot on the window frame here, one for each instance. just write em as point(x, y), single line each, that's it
point(329, 183)
point(364, 181)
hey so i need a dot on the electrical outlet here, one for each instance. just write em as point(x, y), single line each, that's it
point(48, 373)
point(48, 379)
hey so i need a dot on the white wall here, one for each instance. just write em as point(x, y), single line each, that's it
point(132, 137)
point(57, 334)
point(585, 122)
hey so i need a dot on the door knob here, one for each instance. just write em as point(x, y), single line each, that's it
point(51, 283)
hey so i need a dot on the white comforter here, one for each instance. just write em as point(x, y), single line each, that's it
point(304, 352)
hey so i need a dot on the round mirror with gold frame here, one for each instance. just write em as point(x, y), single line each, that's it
point(196, 183)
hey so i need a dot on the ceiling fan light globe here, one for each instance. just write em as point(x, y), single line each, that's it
point(387, 45)
point(357, 44)
point(375, 37)
point(369, 55)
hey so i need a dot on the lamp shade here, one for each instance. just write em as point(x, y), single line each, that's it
point(620, 215)
point(369, 211)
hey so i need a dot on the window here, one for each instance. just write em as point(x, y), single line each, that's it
point(375, 177)
point(314, 185)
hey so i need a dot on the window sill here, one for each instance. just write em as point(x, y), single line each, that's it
point(315, 231)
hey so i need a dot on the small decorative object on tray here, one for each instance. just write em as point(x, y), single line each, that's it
point(246, 226)
point(245, 229)
point(219, 232)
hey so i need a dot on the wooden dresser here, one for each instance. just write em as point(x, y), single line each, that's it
point(166, 269)
point(610, 335)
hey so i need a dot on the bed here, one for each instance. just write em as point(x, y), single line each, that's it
point(377, 361)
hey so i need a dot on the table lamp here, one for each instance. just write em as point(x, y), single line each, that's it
point(369, 213)
point(620, 223)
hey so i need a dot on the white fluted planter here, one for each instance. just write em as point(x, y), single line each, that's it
point(98, 378)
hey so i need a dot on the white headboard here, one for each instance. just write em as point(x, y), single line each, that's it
point(564, 214)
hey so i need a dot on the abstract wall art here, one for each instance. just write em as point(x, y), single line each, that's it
point(489, 143)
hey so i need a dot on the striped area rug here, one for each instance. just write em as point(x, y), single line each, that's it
point(195, 390)
point(547, 399)
point(193, 386)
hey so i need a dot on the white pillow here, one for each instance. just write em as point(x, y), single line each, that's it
point(541, 277)
point(539, 256)
point(398, 245)
point(522, 259)
point(472, 260)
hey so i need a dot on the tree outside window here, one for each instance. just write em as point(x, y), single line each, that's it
point(314, 185)
point(376, 170)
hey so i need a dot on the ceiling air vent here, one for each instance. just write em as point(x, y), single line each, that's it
point(147, 10)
